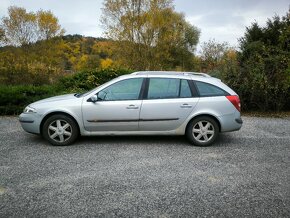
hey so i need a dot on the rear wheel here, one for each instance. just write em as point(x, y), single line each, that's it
point(202, 131)
point(60, 130)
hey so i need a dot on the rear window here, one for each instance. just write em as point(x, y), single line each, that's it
point(206, 89)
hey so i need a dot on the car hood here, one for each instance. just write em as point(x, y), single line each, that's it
point(55, 99)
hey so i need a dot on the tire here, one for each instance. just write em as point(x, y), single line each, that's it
point(60, 130)
point(202, 131)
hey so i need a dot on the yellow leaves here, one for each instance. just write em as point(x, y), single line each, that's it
point(149, 34)
point(48, 25)
point(106, 63)
point(103, 47)
point(231, 54)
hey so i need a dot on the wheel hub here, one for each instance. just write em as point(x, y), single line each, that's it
point(60, 131)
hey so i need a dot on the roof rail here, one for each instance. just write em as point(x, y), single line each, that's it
point(197, 74)
point(170, 72)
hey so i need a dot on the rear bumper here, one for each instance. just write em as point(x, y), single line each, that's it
point(239, 120)
point(231, 122)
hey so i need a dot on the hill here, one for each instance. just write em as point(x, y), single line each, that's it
point(45, 61)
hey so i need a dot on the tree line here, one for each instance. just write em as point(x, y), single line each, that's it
point(148, 35)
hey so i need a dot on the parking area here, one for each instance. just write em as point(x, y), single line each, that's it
point(244, 174)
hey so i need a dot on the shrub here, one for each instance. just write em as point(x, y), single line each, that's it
point(13, 99)
point(87, 80)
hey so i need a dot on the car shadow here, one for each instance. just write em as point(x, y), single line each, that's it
point(166, 140)
point(223, 140)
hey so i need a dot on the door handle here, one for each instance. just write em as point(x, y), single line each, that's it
point(185, 105)
point(131, 106)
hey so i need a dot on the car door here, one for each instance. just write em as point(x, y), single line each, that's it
point(117, 107)
point(168, 103)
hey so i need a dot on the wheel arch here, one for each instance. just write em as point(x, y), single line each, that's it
point(202, 115)
point(55, 113)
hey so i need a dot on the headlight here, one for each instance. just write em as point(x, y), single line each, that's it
point(29, 109)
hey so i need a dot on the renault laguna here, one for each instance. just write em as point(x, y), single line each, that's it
point(142, 103)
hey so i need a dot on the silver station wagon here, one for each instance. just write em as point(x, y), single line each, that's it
point(141, 103)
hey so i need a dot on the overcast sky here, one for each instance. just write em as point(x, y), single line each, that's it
point(223, 20)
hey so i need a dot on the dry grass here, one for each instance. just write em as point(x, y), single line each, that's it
point(281, 114)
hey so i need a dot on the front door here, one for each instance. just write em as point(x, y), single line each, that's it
point(117, 108)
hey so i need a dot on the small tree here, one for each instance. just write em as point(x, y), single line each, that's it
point(212, 55)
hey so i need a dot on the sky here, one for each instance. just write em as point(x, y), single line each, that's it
point(222, 20)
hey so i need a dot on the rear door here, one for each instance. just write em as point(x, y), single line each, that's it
point(168, 103)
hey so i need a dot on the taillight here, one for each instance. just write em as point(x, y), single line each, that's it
point(235, 100)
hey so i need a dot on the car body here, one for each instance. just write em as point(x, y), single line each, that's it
point(141, 103)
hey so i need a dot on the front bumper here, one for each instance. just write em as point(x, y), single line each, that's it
point(30, 122)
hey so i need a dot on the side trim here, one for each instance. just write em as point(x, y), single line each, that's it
point(164, 119)
point(141, 120)
point(26, 121)
point(109, 121)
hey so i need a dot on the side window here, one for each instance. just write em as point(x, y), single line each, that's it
point(163, 88)
point(185, 89)
point(128, 89)
point(206, 89)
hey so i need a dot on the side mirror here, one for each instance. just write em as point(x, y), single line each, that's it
point(93, 99)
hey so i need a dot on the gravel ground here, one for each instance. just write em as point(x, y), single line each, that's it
point(245, 174)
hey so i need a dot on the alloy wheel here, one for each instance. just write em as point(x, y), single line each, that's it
point(59, 130)
point(203, 131)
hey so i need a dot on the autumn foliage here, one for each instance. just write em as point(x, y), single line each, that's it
point(37, 60)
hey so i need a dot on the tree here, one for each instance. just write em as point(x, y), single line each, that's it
point(21, 27)
point(2, 36)
point(48, 26)
point(149, 34)
point(212, 54)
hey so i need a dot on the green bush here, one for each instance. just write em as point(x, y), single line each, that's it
point(87, 80)
point(13, 99)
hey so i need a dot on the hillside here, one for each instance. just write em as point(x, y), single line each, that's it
point(44, 61)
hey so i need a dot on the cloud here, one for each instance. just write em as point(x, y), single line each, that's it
point(226, 20)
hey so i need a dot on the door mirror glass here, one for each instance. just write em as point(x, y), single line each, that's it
point(93, 99)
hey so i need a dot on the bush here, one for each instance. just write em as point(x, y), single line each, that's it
point(13, 99)
point(87, 80)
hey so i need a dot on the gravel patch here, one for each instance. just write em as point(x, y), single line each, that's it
point(244, 174)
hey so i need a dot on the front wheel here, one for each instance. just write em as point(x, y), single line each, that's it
point(202, 131)
point(60, 129)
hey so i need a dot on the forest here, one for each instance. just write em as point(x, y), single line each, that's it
point(38, 60)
